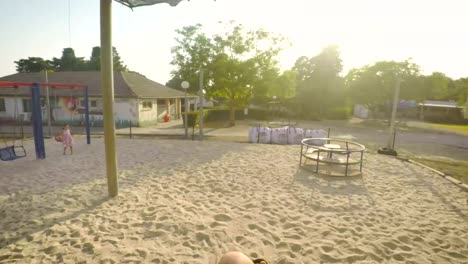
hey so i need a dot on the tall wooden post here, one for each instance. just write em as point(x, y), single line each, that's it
point(108, 96)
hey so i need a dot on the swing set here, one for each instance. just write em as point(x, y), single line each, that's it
point(14, 151)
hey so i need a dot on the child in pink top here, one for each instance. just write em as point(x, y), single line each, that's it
point(67, 139)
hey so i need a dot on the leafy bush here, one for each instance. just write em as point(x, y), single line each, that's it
point(259, 114)
point(222, 114)
point(339, 113)
point(192, 118)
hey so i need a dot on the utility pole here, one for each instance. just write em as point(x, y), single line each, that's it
point(388, 150)
point(200, 96)
point(391, 134)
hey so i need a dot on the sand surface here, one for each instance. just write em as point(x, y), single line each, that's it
point(190, 201)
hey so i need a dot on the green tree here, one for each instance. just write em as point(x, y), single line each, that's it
point(192, 52)
point(243, 65)
point(437, 86)
point(374, 85)
point(462, 91)
point(94, 63)
point(68, 61)
point(304, 69)
point(285, 85)
point(319, 86)
point(118, 63)
point(238, 64)
point(32, 64)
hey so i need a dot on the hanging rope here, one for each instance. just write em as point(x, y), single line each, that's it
point(71, 105)
point(15, 113)
point(16, 119)
point(69, 25)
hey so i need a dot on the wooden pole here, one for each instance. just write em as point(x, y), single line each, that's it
point(108, 96)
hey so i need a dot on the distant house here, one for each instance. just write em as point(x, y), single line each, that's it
point(407, 109)
point(137, 99)
point(360, 111)
point(440, 111)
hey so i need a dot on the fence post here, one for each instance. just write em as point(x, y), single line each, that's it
point(130, 128)
point(22, 126)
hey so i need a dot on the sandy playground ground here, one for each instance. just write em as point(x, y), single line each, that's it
point(190, 201)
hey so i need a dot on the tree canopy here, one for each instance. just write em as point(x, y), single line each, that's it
point(319, 86)
point(32, 64)
point(239, 65)
point(69, 62)
point(374, 85)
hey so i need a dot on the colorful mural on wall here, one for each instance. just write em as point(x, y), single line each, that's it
point(69, 103)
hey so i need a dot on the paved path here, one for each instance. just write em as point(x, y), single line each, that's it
point(419, 142)
point(413, 140)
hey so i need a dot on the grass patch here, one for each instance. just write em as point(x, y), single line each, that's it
point(461, 129)
point(456, 168)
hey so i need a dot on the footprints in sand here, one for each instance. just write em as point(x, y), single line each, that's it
point(222, 217)
point(390, 245)
point(172, 213)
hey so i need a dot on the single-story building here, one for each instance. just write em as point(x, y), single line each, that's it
point(406, 109)
point(137, 99)
point(441, 111)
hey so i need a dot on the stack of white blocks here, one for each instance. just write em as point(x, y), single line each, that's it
point(284, 135)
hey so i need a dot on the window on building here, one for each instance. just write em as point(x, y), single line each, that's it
point(92, 103)
point(147, 105)
point(2, 105)
point(161, 102)
point(26, 106)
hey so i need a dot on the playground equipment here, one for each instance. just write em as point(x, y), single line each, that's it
point(14, 151)
point(9, 151)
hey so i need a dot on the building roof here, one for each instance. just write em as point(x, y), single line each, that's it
point(126, 84)
point(146, 88)
point(443, 104)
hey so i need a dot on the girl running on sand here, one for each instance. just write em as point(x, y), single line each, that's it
point(67, 139)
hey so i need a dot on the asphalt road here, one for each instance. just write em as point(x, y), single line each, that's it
point(414, 140)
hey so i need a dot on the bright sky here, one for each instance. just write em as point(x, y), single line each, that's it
point(432, 32)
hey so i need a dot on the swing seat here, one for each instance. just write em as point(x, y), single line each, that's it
point(9, 153)
point(58, 138)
